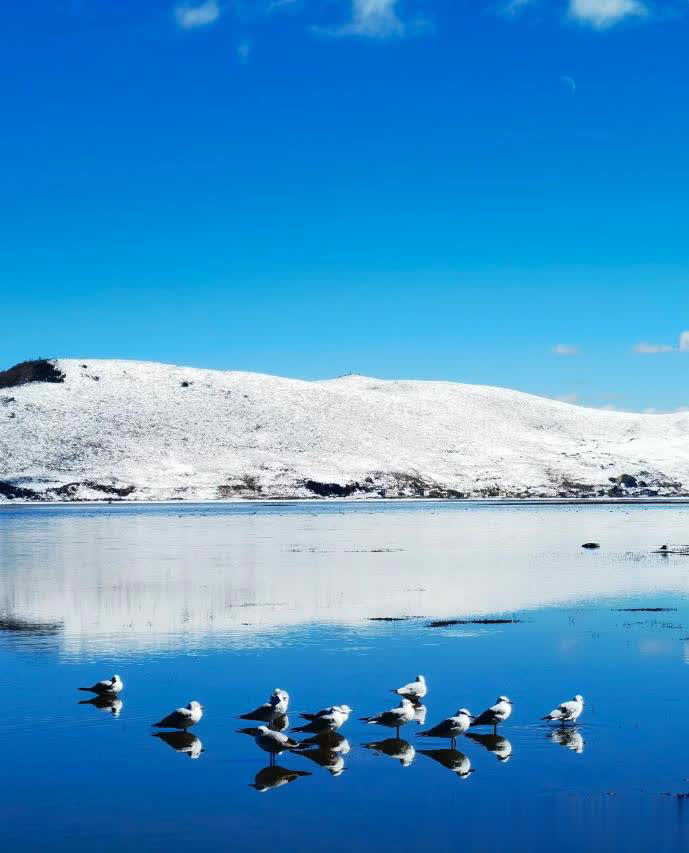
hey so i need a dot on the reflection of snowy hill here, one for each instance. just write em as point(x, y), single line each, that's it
point(167, 577)
point(157, 431)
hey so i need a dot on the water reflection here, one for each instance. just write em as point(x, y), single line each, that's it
point(182, 742)
point(327, 751)
point(275, 776)
point(455, 761)
point(111, 703)
point(497, 744)
point(569, 738)
point(253, 575)
point(420, 712)
point(393, 747)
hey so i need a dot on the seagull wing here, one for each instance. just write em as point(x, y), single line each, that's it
point(174, 720)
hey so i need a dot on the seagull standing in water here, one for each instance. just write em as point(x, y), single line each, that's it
point(494, 715)
point(450, 728)
point(269, 711)
point(182, 718)
point(272, 742)
point(108, 685)
point(414, 691)
point(395, 717)
point(567, 712)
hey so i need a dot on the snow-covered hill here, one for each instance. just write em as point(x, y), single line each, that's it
point(140, 430)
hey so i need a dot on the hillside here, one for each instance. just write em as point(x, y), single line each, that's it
point(144, 431)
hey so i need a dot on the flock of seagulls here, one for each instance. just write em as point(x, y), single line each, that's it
point(327, 746)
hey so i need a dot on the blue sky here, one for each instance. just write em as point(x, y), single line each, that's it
point(482, 192)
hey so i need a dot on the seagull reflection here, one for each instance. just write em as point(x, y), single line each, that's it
point(398, 749)
point(110, 703)
point(455, 761)
point(275, 776)
point(569, 738)
point(420, 712)
point(329, 751)
point(497, 744)
point(182, 742)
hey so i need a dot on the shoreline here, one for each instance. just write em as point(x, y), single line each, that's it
point(273, 502)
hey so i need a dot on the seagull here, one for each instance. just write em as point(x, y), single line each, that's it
point(182, 718)
point(182, 742)
point(108, 685)
point(400, 750)
point(569, 711)
point(327, 722)
point(395, 717)
point(414, 691)
point(569, 738)
point(105, 702)
point(326, 712)
point(455, 761)
point(497, 744)
point(279, 724)
point(273, 742)
point(275, 777)
point(450, 728)
point(275, 707)
point(494, 715)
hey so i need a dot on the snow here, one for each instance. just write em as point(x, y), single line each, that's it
point(231, 434)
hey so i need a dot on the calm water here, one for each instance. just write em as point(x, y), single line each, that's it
point(222, 604)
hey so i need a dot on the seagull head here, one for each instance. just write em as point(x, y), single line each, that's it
point(262, 729)
point(504, 699)
point(420, 679)
point(580, 699)
point(279, 695)
point(115, 677)
point(194, 704)
point(463, 711)
point(405, 703)
point(345, 709)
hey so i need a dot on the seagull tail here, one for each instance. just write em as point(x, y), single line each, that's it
point(86, 689)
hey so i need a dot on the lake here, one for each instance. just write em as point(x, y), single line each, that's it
point(335, 602)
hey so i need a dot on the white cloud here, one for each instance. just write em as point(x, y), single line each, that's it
point(601, 14)
point(189, 16)
point(684, 341)
point(644, 348)
point(565, 349)
point(243, 51)
point(375, 19)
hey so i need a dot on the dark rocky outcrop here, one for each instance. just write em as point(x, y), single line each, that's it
point(38, 370)
point(11, 492)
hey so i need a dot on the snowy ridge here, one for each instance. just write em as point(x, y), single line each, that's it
point(148, 431)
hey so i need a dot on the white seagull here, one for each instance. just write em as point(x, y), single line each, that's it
point(269, 711)
point(567, 712)
point(395, 717)
point(329, 720)
point(272, 742)
point(414, 691)
point(181, 718)
point(451, 728)
point(494, 715)
point(108, 685)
